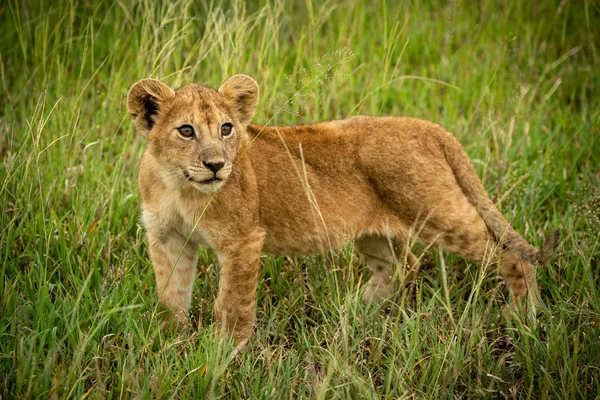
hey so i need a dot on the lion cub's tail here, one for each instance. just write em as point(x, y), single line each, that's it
point(467, 179)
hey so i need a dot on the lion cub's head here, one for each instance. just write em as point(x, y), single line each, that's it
point(194, 132)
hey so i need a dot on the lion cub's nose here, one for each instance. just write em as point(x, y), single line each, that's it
point(214, 166)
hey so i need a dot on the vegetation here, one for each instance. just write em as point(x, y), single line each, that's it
point(517, 82)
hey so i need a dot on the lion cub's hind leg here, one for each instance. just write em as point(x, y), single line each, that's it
point(382, 254)
point(464, 233)
point(519, 276)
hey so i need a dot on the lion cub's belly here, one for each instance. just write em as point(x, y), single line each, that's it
point(294, 242)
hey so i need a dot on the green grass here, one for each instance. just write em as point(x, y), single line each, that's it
point(516, 81)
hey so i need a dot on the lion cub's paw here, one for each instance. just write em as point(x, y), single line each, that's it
point(377, 291)
point(176, 321)
point(525, 312)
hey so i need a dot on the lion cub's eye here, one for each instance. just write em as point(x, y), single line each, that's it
point(186, 131)
point(226, 130)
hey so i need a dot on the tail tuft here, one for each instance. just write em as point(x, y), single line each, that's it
point(545, 254)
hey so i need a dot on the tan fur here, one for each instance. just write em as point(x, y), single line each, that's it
point(305, 189)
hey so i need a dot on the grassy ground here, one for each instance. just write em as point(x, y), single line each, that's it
point(517, 82)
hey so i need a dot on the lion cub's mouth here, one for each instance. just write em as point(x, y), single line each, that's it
point(189, 178)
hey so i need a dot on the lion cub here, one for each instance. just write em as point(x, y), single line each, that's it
point(209, 177)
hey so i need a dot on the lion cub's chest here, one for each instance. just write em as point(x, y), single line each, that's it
point(174, 217)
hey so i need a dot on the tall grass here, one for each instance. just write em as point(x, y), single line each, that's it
point(517, 82)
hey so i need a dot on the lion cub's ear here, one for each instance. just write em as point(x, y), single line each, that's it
point(242, 92)
point(144, 100)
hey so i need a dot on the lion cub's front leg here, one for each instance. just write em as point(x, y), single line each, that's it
point(174, 259)
point(240, 265)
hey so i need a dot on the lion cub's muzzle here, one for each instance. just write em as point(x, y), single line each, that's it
point(209, 176)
